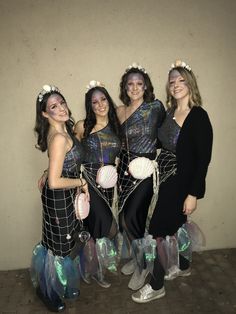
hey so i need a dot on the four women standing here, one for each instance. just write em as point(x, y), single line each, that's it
point(185, 134)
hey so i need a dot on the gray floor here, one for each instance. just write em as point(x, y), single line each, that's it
point(210, 289)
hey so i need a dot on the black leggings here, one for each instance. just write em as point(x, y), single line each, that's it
point(133, 217)
point(157, 280)
point(100, 221)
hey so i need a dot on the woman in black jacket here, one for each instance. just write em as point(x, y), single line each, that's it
point(186, 137)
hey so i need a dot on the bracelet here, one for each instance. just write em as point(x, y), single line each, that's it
point(81, 183)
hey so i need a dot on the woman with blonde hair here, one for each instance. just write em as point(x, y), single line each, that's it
point(186, 136)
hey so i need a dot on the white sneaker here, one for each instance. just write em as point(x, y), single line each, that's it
point(129, 267)
point(138, 279)
point(147, 294)
point(179, 273)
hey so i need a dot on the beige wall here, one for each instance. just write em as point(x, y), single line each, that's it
point(68, 43)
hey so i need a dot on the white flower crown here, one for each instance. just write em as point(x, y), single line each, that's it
point(136, 66)
point(181, 64)
point(93, 84)
point(47, 89)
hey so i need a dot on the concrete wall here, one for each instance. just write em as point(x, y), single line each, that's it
point(68, 43)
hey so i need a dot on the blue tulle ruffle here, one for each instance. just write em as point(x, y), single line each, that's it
point(54, 274)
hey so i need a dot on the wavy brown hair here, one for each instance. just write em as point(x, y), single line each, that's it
point(42, 125)
point(195, 98)
point(148, 96)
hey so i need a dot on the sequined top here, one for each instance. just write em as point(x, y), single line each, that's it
point(102, 146)
point(73, 160)
point(169, 132)
point(139, 131)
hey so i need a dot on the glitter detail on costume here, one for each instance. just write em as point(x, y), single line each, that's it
point(96, 157)
point(139, 138)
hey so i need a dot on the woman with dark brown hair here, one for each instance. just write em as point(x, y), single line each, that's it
point(140, 117)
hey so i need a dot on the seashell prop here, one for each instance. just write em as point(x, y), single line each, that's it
point(141, 168)
point(107, 177)
point(82, 206)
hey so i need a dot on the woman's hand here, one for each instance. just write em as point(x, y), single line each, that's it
point(190, 204)
point(42, 181)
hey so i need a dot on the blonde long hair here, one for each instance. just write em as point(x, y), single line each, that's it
point(194, 94)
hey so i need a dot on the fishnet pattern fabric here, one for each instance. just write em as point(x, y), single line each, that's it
point(126, 182)
point(167, 165)
point(59, 220)
point(89, 171)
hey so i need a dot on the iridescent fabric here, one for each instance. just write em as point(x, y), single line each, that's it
point(188, 238)
point(101, 147)
point(99, 254)
point(54, 274)
point(168, 133)
point(139, 138)
point(144, 252)
point(141, 128)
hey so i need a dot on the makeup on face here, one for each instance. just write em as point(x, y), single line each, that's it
point(135, 81)
point(176, 79)
point(56, 105)
point(100, 103)
point(178, 87)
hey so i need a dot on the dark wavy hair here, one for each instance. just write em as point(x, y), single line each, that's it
point(42, 125)
point(191, 81)
point(148, 96)
point(90, 119)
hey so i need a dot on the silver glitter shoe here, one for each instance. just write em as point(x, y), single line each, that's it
point(179, 273)
point(147, 294)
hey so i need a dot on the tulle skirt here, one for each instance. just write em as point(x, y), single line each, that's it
point(189, 238)
point(98, 256)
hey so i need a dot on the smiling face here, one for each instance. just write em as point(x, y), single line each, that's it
point(178, 86)
point(100, 104)
point(135, 87)
point(56, 109)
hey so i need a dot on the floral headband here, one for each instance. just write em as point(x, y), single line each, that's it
point(181, 64)
point(136, 66)
point(47, 89)
point(93, 84)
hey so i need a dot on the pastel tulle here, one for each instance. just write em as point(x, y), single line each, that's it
point(144, 252)
point(54, 274)
point(188, 238)
point(98, 255)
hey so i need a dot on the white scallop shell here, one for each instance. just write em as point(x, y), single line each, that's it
point(47, 88)
point(82, 206)
point(141, 168)
point(107, 176)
